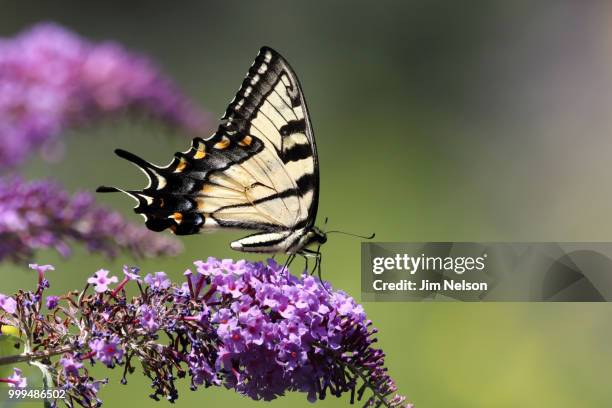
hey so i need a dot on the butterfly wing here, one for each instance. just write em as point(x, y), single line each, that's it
point(258, 171)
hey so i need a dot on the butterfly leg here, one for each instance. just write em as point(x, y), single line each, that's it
point(290, 259)
point(318, 269)
point(317, 265)
point(307, 253)
point(318, 261)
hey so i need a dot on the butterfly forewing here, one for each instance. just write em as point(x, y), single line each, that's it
point(258, 171)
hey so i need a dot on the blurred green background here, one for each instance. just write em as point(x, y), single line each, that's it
point(435, 120)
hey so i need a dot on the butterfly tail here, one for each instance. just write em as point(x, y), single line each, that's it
point(161, 203)
point(107, 189)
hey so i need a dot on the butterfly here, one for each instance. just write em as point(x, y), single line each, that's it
point(259, 171)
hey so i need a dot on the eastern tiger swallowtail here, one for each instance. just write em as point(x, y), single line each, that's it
point(259, 171)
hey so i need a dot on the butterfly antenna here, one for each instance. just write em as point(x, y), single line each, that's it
point(353, 235)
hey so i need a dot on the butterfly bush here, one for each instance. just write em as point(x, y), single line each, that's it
point(40, 214)
point(52, 79)
point(249, 327)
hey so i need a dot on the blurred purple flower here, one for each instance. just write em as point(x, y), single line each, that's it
point(40, 214)
point(51, 79)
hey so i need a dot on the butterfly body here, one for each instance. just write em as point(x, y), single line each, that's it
point(288, 242)
point(259, 171)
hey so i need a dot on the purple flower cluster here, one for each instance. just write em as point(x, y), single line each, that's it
point(278, 332)
point(51, 79)
point(250, 327)
point(40, 214)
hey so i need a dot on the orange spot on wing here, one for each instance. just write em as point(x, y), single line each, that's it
point(199, 154)
point(246, 141)
point(181, 166)
point(177, 216)
point(222, 144)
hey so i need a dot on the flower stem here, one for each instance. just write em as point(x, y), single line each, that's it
point(356, 371)
point(19, 358)
point(120, 286)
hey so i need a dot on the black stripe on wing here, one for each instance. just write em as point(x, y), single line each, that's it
point(292, 127)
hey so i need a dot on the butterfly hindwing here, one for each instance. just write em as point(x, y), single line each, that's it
point(258, 171)
point(175, 196)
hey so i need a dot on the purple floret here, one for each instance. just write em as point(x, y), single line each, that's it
point(107, 351)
